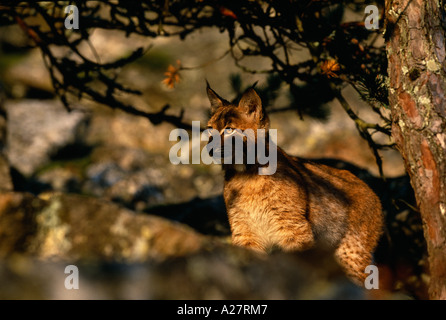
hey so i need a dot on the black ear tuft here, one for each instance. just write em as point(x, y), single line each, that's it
point(215, 99)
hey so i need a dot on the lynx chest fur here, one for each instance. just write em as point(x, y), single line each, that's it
point(298, 206)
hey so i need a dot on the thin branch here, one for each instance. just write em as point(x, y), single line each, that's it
point(208, 62)
point(362, 127)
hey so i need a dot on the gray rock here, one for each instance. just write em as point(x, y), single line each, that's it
point(37, 130)
point(134, 188)
point(60, 179)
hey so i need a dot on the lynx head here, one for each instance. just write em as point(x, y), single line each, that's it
point(240, 132)
point(248, 114)
point(237, 127)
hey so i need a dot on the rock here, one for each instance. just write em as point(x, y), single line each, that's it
point(60, 179)
point(143, 257)
point(219, 272)
point(140, 180)
point(136, 189)
point(79, 227)
point(120, 254)
point(229, 272)
point(37, 130)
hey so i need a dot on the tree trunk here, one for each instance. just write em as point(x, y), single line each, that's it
point(417, 71)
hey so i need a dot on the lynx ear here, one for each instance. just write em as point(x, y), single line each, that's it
point(250, 103)
point(215, 99)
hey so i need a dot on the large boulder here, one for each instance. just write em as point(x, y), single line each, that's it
point(71, 227)
point(121, 254)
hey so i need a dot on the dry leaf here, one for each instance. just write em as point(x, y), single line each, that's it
point(172, 75)
point(329, 68)
point(228, 13)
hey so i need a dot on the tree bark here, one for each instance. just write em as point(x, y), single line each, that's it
point(417, 72)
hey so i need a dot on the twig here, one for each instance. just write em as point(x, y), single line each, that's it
point(362, 127)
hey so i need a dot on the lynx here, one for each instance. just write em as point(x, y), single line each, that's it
point(302, 205)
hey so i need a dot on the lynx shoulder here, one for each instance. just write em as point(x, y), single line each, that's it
point(302, 204)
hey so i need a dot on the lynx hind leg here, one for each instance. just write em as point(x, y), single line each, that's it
point(353, 258)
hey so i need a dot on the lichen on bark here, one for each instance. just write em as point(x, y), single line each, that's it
point(418, 103)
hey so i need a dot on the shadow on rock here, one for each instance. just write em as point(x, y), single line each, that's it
point(207, 216)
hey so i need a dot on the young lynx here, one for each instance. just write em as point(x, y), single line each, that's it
point(301, 205)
